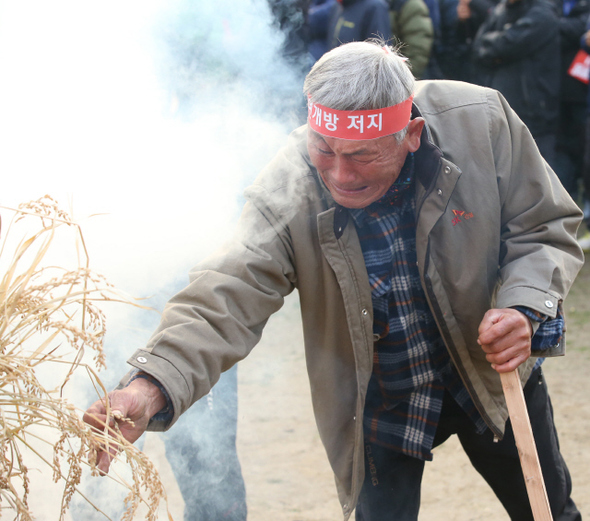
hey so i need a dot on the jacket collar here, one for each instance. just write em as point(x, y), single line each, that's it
point(428, 156)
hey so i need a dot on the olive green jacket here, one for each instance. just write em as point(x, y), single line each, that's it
point(494, 228)
point(411, 26)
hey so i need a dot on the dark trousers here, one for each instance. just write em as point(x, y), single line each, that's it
point(569, 149)
point(391, 490)
point(586, 162)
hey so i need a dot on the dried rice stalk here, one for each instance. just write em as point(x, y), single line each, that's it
point(49, 318)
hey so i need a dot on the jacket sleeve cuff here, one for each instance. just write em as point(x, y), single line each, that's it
point(535, 299)
point(168, 379)
point(160, 420)
point(547, 332)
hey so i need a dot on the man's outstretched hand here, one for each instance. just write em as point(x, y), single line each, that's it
point(505, 336)
point(137, 402)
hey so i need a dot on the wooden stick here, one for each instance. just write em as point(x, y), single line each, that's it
point(525, 443)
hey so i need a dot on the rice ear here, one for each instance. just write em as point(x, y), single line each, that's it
point(50, 317)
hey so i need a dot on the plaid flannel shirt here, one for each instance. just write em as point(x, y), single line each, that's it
point(411, 366)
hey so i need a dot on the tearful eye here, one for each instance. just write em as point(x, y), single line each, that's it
point(361, 160)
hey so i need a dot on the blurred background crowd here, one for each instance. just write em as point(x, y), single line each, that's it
point(533, 51)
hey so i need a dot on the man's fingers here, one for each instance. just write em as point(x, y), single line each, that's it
point(106, 425)
point(504, 355)
point(508, 360)
point(103, 461)
point(511, 340)
point(99, 422)
point(109, 447)
point(490, 320)
point(500, 329)
point(507, 353)
point(511, 364)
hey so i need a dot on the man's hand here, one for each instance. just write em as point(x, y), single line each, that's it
point(505, 336)
point(137, 402)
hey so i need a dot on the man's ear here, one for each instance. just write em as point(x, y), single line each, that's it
point(415, 127)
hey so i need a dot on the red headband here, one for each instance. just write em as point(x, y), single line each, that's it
point(359, 124)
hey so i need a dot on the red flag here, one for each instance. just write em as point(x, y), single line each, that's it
point(580, 67)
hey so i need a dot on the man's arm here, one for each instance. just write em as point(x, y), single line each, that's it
point(571, 29)
point(518, 40)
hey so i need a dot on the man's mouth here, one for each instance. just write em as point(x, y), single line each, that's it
point(349, 191)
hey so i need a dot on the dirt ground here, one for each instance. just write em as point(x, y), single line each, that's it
point(284, 465)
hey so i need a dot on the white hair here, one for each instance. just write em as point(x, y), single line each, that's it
point(360, 76)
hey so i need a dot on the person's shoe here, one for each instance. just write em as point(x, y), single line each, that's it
point(584, 242)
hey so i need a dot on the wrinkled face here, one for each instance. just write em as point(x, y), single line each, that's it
point(358, 173)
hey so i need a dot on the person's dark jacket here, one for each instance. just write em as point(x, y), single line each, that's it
point(453, 54)
point(480, 10)
point(290, 16)
point(319, 15)
point(571, 27)
point(585, 46)
point(359, 20)
point(517, 52)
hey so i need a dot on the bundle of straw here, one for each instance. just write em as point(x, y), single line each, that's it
point(49, 319)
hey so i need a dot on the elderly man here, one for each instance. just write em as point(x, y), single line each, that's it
point(432, 248)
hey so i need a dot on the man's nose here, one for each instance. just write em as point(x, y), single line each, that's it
point(342, 171)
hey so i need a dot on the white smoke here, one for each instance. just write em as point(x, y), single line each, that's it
point(154, 115)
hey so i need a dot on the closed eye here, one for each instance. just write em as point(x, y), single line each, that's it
point(324, 152)
point(361, 157)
